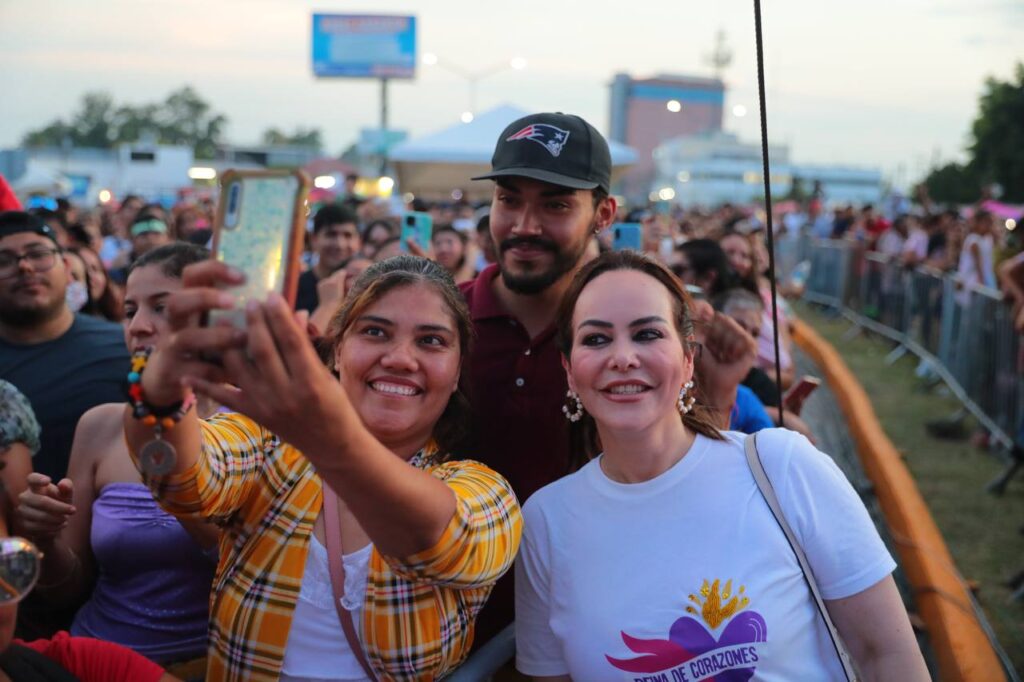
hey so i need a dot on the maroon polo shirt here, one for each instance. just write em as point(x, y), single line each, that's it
point(516, 386)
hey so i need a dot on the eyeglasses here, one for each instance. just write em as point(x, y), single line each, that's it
point(20, 563)
point(40, 259)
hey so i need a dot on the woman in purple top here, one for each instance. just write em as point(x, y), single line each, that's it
point(144, 576)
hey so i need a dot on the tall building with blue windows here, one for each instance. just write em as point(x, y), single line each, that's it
point(648, 112)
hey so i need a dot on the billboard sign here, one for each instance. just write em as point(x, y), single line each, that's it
point(364, 46)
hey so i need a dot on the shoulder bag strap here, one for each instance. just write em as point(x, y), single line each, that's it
point(332, 532)
point(768, 492)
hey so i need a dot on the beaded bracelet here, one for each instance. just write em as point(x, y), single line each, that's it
point(156, 457)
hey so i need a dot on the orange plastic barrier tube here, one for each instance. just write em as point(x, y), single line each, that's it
point(961, 647)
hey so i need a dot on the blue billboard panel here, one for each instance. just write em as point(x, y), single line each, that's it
point(364, 46)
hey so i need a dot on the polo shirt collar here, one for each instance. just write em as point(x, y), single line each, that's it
point(485, 303)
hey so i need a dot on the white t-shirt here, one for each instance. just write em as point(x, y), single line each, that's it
point(317, 648)
point(688, 575)
point(966, 268)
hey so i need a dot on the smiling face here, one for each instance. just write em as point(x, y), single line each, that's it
point(737, 249)
point(335, 244)
point(145, 302)
point(399, 363)
point(628, 361)
point(542, 230)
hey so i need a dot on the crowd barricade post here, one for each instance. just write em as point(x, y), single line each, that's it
point(964, 336)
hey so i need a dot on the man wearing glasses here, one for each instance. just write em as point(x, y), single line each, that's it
point(64, 363)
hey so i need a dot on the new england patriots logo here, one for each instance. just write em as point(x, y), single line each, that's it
point(548, 136)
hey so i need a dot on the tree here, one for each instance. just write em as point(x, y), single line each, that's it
point(184, 118)
point(998, 135)
point(953, 183)
point(302, 137)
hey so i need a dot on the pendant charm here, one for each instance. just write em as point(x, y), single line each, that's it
point(157, 457)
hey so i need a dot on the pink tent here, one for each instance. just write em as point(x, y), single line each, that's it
point(1002, 210)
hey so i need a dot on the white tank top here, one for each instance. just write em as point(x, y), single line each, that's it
point(317, 649)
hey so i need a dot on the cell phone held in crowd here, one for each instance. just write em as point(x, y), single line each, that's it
point(417, 226)
point(259, 230)
point(799, 392)
point(627, 236)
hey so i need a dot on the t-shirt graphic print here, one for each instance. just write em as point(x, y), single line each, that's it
point(717, 641)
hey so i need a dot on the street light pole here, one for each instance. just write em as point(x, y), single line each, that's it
point(473, 78)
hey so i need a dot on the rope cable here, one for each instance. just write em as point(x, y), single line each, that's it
point(768, 207)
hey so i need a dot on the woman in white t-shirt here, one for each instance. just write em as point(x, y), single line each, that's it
point(659, 559)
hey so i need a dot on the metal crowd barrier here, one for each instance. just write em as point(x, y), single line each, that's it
point(963, 335)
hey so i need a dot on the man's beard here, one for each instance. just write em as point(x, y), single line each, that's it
point(22, 317)
point(533, 283)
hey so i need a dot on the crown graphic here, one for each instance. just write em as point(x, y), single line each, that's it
point(717, 606)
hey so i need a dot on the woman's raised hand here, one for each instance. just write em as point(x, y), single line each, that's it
point(189, 342)
point(277, 379)
point(44, 508)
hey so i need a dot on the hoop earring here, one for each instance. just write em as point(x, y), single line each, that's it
point(684, 404)
point(577, 412)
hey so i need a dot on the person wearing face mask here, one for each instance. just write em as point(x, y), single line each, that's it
point(103, 297)
point(141, 577)
point(661, 558)
point(353, 546)
point(65, 363)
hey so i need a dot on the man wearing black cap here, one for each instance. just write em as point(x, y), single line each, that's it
point(551, 197)
point(552, 174)
point(64, 363)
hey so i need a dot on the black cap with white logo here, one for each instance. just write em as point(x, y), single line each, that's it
point(558, 148)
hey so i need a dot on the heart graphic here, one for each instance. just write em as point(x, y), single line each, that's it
point(689, 639)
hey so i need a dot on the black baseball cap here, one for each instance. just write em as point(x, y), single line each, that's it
point(17, 222)
point(562, 149)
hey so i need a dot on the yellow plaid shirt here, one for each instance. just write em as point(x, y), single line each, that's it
point(418, 611)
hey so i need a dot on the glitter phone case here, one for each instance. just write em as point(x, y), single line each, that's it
point(259, 230)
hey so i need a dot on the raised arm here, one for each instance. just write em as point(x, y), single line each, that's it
point(286, 388)
point(194, 484)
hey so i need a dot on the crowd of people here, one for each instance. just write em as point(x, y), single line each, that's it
point(333, 493)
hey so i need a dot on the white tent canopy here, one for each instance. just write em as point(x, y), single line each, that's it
point(435, 164)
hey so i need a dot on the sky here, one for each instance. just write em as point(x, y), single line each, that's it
point(891, 84)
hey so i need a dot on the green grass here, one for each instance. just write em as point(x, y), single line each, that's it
point(981, 530)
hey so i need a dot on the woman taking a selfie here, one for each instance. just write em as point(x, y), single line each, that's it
point(661, 557)
point(322, 481)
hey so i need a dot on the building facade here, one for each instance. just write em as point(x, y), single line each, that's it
point(645, 113)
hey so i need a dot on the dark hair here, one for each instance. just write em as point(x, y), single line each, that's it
point(411, 271)
point(332, 214)
point(442, 229)
point(109, 305)
point(750, 281)
point(379, 222)
point(585, 437)
point(15, 222)
point(599, 195)
point(172, 258)
point(484, 224)
point(707, 257)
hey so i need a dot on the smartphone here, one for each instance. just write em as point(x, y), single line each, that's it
point(627, 236)
point(798, 393)
point(259, 230)
point(417, 226)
